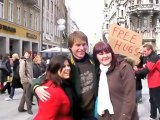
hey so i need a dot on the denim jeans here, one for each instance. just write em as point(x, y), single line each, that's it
point(138, 95)
point(12, 92)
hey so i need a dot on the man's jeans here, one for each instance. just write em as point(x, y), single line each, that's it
point(12, 92)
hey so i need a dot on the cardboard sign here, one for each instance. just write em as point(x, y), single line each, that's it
point(124, 41)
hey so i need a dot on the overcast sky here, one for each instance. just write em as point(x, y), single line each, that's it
point(88, 14)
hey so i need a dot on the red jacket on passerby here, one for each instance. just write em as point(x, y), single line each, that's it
point(57, 107)
point(153, 75)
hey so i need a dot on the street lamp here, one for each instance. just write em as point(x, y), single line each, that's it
point(61, 27)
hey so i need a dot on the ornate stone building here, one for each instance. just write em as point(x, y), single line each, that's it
point(142, 16)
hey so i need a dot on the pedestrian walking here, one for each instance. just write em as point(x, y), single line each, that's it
point(5, 72)
point(16, 83)
point(26, 76)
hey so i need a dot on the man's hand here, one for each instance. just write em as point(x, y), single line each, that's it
point(42, 94)
point(135, 68)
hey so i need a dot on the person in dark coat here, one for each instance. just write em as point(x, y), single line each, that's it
point(38, 67)
point(16, 78)
point(5, 73)
point(139, 79)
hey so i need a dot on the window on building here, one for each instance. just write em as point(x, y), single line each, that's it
point(55, 32)
point(47, 4)
point(51, 28)
point(44, 26)
point(145, 21)
point(47, 26)
point(157, 1)
point(25, 18)
point(51, 6)
point(37, 2)
point(151, 1)
point(18, 14)
point(30, 20)
point(139, 1)
point(121, 13)
point(11, 11)
point(107, 26)
point(36, 23)
point(1, 8)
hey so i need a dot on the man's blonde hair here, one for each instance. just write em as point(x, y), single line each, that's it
point(74, 36)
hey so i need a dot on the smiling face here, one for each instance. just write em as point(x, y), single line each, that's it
point(104, 58)
point(64, 72)
point(79, 48)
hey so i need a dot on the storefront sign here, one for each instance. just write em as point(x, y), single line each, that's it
point(32, 36)
point(7, 28)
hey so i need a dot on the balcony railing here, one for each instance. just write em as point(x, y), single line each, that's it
point(144, 7)
point(147, 32)
point(149, 35)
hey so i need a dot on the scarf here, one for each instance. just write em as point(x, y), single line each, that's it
point(66, 86)
point(104, 102)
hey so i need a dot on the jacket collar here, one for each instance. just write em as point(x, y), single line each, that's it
point(72, 59)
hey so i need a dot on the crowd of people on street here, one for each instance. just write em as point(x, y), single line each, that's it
point(18, 72)
point(101, 86)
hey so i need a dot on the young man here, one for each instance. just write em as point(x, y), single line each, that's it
point(26, 76)
point(153, 77)
point(83, 76)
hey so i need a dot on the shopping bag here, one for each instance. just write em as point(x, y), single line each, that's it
point(3, 66)
point(9, 79)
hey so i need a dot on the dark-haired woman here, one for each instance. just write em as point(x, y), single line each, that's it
point(62, 101)
point(117, 90)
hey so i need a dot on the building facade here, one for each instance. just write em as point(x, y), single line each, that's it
point(51, 12)
point(142, 16)
point(32, 25)
point(19, 26)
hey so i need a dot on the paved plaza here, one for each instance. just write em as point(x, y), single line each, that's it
point(8, 109)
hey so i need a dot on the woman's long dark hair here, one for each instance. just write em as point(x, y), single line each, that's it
point(104, 46)
point(56, 63)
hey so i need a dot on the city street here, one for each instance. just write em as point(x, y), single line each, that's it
point(8, 109)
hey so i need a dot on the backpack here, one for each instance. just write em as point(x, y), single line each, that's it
point(3, 66)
